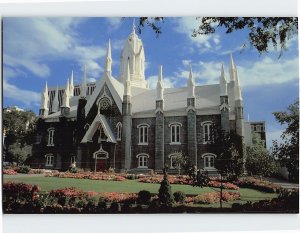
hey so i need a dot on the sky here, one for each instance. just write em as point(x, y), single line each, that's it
point(36, 50)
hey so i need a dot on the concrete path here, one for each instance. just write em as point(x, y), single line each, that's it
point(282, 183)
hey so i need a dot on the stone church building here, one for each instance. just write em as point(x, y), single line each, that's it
point(124, 125)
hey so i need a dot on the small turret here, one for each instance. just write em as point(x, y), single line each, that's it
point(191, 85)
point(108, 60)
point(65, 107)
point(223, 82)
point(232, 69)
point(160, 86)
point(44, 102)
point(238, 92)
point(71, 86)
point(55, 103)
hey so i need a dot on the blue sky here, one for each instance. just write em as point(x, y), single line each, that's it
point(36, 50)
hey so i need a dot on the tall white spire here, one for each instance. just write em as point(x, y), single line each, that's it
point(133, 26)
point(238, 91)
point(160, 86)
point(44, 98)
point(127, 88)
point(66, 97)
point(83, 84)
point(108, 59)
point(191, 84)
point(223, 82)
point(232, 69)
point(71, 86)
point(55, 103)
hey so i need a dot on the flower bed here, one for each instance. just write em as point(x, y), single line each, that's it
point(89, 175)
point(210, 198)
point(19, 192)
point(260, 185)
point(185, 180)
point(9, 172)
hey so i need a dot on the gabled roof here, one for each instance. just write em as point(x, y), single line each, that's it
point(115, 88)
point(99, 120)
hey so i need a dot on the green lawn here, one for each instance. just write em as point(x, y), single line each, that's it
point(49, 183)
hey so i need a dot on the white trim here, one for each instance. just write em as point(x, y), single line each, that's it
point(100, 152)
point(206, 122)
point(142, 155)
point(143, 124)
point(119, 131)
point(51, 132)
point(174, 123)
point(208, 156)
point(50, 162)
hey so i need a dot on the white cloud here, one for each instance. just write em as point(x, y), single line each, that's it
point(31, 43)
point(25, 96)
point(269, 71)
point(168, 82)
point(186, 25)
point(114, 22)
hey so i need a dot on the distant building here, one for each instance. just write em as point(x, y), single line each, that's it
point(122, 124)
point(255, 128)
point(14, 108)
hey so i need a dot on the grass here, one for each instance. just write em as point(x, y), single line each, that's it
point(132, 186)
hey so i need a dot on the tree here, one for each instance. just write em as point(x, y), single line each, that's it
point(287, 152)
point(181, 162)
point(230, 149)
point(165, 193)
point(18, 153)
point(259, 161)
point(263, 32)
point(19, 128)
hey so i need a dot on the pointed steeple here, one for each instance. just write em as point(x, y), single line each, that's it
point(191, 84)
point(83, 84)
point(108, 59)
point(160, 86)
point(133, 26)
point(71, 86)
point(127, 88)
point(238, 91)
point(55, 103)
point(66, 97)
point(44, 98)
point(232, 69)
point(223, 82)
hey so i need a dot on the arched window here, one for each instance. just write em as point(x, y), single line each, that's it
point(51, 137)
point(49, 160)
point(119, 131)
point(73, 159)
point(207, 131)
point(143, 134)
point(142, 160)
point(175, 132)
point(209, 160)
point(173, 157)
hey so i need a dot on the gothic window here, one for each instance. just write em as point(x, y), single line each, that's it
point(104, 103)
point(207, 131)
point(51, 137)
point(102, 135)
point(175, 132)
point(142, 160)
point(143, 134)
point(209, 161)
point(86, 127)
point(119, 131)
point(49, 160)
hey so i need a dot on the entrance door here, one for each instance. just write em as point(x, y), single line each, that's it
point(101, 165)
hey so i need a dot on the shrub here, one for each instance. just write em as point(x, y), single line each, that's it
point(102, 205)
point(114, 207)
point(23, 169)
point(75, 170)
point(260, 185)
point(144, 197)
point(165, 192)
point(179, 196)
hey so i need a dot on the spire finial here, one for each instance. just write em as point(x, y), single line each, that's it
point(108, 58)
point(191, 84)
point(71, 85)
point(238, 91)
point(223, 83)
point(159, 85)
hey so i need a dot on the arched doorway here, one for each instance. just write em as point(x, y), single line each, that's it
point(101, 159)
